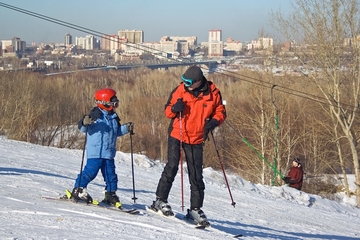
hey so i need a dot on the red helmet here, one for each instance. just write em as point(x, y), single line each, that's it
point(106, 99)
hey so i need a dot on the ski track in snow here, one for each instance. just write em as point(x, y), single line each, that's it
point(116, 220)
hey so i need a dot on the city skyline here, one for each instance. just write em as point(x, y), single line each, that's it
point(240, 20)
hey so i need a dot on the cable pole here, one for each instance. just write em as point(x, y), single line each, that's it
point(276, 113)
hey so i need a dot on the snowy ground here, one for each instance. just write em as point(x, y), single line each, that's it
point(28, 172)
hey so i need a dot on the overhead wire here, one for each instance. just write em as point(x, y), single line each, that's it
point(285, 89)
point(239, 76)
point(280, 88)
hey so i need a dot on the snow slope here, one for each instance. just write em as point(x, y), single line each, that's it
point(28, 172)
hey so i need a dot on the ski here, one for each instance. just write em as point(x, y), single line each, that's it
point(170, 214)
point(197, 225)
point(175, 217)
point(95, 203)
point(182, 219)
point(202, 225)
point(122, 209)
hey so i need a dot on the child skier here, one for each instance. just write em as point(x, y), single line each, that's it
point(102, 127)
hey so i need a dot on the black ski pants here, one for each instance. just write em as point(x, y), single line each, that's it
point(194, 159)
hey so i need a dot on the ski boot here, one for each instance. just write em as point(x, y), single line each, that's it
point(81, 194)
point(112, 199)
point(198, 216)
point(163, 206)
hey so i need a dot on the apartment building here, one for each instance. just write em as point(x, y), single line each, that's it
point(88, 42)
point(68, 39)
point(261, 43)
point(216, 46)
point(192, 41)
point(132, 36)
point(215, 35)
point(13, 47)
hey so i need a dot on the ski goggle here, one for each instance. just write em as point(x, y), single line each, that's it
point(114, 104)
point(187, 82)
point(114, 101)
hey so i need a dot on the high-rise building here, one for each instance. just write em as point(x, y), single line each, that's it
point(132, 36)
point(18, 46)
point(183, 47)
point(215, 46)
point(68, 39)
point(16, 43)
point(106, 41)
point(111, 42)
point(89, 42)
point(215, 49)
point(215, 36)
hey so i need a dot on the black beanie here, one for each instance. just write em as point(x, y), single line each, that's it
point(296, 159)
point(194, 73)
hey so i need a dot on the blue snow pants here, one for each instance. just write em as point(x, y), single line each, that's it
point(93, 165)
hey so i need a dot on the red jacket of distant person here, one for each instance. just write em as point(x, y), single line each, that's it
point(295, 175)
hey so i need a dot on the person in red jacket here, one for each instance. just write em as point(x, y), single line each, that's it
point(195, 108)
point(295, 175)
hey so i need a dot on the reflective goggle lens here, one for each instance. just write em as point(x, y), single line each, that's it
point(114, 101)
point(114, 104)
point(187, 82)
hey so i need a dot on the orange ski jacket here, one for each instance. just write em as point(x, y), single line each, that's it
point(208, 104)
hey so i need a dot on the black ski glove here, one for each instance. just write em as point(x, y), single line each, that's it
point(130, 127)
point(286, 179)
point(291, 181)
point(95, 113)
point(178, 106)
point(209, 126)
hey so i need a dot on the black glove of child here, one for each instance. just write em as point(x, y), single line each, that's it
point(178, 106)
point(209, 126)
point(95, 113)
point(130, 126)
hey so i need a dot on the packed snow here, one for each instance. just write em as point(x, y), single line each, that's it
point(29, 172)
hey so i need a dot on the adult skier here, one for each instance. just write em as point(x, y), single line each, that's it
point(195, 108)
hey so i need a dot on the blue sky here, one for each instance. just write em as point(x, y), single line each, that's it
point(239, 19)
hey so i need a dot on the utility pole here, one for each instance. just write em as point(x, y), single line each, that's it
point(276, 113)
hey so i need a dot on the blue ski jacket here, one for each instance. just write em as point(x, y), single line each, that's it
point(102, 135)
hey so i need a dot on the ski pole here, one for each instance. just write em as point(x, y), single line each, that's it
point(181, 163)
point(81, 167)
point(132, 164)
point(223, 170)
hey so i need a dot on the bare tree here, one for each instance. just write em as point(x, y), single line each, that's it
point(329, 29)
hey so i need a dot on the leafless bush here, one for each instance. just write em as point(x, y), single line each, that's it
point(321, 185)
